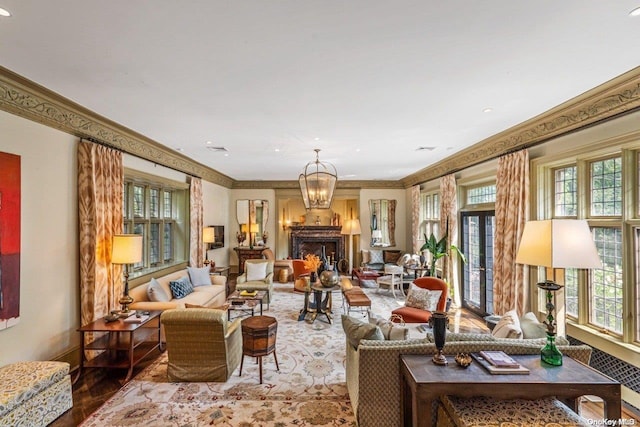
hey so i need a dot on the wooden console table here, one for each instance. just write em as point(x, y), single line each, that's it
point(423, 382)
point(248, 253)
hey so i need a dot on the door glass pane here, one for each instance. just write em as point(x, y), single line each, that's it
point(490, 222)
point(471, 249)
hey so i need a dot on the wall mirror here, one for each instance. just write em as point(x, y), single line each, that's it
point(252, 216)
point(383, 222)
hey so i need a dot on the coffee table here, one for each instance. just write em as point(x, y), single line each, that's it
point(364, 274)
point(245, 304)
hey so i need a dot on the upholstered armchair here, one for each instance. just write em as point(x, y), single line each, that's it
point(201, 344)
point(411, 313)
point(258, 275)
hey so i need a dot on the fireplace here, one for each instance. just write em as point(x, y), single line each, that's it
point(309, 239)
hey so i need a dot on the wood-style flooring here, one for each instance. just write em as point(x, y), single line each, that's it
point(95, 386)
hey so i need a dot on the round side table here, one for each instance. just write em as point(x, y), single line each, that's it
point(259, 339)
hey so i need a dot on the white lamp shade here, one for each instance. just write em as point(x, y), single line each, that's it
point(558, 243)
point(351, 227)
point(208, 235)
point(126, 249)
point(377, 234)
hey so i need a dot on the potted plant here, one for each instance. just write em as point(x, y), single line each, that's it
point(438, 249)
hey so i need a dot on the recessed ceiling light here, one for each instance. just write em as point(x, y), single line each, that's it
point(487, 110)
point(226, 154)
point(277, 150)
point(635, 12)
point(316, 139)
point(209, 142)
point(216, 149)
point(425, 148)
point(357, 150)
point(4, 12)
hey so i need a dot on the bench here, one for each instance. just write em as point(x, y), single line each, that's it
point(353, 296)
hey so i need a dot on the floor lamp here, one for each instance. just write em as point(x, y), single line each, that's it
point(208, 236)
point(351, 228)
point(556, 244)
point(126, 249)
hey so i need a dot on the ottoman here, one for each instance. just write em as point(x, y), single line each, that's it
point(34, 393)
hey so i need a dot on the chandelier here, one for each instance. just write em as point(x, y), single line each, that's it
point(317, 182)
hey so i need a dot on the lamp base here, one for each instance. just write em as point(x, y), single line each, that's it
point(439, 358)
point(550, 353)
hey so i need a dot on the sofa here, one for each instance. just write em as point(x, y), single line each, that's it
point(212, 294)
point(375, 259)
point(373, 370)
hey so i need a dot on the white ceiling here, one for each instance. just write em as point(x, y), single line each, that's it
point(366, 81)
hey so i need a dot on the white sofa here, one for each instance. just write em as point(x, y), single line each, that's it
point(213, 295)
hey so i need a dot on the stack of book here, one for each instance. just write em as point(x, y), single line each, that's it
point(498, 362)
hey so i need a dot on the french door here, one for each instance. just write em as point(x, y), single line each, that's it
point(477, 274)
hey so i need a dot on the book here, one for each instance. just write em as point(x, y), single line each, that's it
point(136, 319)
point(248, 294)
point(496, 370)
point(499, 359)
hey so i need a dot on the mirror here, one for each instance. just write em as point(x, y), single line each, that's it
point(256, 213)
point(383, 222)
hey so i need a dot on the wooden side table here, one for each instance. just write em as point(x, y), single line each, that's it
point(259, 339)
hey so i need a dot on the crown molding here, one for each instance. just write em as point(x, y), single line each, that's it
point(613, 98)
point(29, 100)
point(257, 185)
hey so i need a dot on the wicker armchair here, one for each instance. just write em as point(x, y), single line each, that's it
point(201, 344)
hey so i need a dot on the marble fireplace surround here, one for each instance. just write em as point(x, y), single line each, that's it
point(305, 239)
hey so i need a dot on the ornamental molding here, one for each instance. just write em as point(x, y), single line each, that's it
point(618, 96)
point(341, 184)
point(29, 100)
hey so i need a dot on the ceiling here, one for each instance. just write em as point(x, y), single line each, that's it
point(383, 88)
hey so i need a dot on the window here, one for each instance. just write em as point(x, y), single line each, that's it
point(566, 204)
point(158, 211)
point(606, 283)
point(429, 215)
point(481, 195)
point(606, 187)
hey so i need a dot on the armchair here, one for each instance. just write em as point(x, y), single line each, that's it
point(218, 344)
point(419, 315)
point(393, 279)
point(299, 270)
point(258, 275)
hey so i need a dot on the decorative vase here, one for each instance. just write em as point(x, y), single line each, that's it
point(550, 353)
point(313, 277)
point(439, 322)
point(329, 278)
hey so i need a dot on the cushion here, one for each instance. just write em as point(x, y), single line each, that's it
point(156, 293)
point(508, 326)
point(391, 257)
point(366, 256)
point(181, 288)
point(425, 299)
point(375, 256)
point(356, 330)
point(256, 271)
point(199, 276)
point(390, 330)
point(531, 327)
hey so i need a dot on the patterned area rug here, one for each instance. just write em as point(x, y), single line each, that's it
point(309, 390)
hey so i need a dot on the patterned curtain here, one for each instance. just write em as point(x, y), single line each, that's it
point(449, 216)
point(415, 218)
point(196, 245)
point(510, 290)
point(391, 216)
point(100, 187)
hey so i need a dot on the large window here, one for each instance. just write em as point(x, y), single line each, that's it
point(159, 212)
point(429, 214)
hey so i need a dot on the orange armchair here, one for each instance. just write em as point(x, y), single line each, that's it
point(299, 270)
point(417, 315)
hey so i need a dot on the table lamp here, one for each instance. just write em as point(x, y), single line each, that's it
point(351, 228)
point(556, 244)
point(126, 249)
point(208, 236)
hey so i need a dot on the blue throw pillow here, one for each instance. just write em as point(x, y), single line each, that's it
point(181, 288)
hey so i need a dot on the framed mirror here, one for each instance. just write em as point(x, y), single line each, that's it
point(383, 222)
point(252, 217)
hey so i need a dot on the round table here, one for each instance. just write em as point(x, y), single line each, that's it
point(259, 339)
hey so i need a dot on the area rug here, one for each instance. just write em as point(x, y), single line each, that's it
point(309, 389)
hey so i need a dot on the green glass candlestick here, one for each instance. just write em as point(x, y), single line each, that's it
point(550, 353)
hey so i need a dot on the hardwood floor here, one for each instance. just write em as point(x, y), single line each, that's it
point(97, 385)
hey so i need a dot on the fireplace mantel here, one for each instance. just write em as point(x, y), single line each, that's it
point(307, 239)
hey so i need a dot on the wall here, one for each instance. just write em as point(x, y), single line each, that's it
point(49, 295)
point(216, 203)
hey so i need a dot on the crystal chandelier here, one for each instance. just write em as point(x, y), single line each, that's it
point(317, 182)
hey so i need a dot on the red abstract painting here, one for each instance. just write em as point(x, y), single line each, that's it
point(9, 240)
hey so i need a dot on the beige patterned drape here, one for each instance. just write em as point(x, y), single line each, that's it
point(391, 217)
point(510, 289)
point(196, 245)
point(415, 218)
point(100, 184)
point(449, 215)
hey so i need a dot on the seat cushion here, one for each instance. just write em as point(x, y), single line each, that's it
point(412, 314)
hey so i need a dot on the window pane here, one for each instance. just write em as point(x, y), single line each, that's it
point(565, 192)
point(606, 283)
point(139, 229)
point(125, 201)
point(484, 194)
point(606, 187)
point(571, 291)
point(154, 244)
point(167, 247)
point(166, 200)
point(436, 206)
point(138, 201)
point(154, 203)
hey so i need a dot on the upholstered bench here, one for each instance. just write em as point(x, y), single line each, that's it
point(34, 393)
point(487, 412)
point(353, 296)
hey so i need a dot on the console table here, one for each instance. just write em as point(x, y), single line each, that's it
point(248, 253)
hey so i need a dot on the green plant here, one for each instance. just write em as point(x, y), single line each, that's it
point(438, 249)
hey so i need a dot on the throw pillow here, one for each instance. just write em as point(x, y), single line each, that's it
point(531, 327)
point(181, 288)
point(156, 293)
point(256, 271)
point(356, 330)
point(390, 330)
point(508, 326)
point(375, 257)
point(391, 257)
point(366, 256)
point(199, 276)
point(425, 299)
